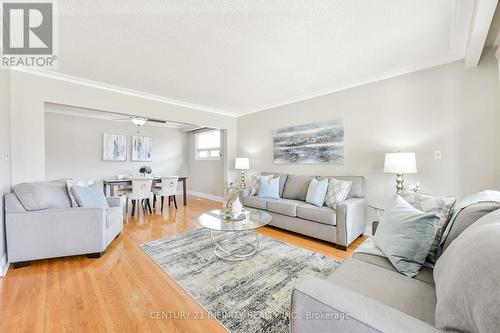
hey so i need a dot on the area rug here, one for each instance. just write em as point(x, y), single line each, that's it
point(247, 296)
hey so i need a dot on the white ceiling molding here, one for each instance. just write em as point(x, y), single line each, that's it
point(121, 90)
point(481, 22)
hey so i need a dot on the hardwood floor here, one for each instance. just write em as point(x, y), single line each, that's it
point(124, 290)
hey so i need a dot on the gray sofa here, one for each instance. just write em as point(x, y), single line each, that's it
point(291, 212)
point(367, 294)
point(41, 223)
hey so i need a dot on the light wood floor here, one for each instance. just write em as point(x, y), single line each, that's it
point(124, 289)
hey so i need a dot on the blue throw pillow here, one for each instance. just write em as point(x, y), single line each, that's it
point(317, 191)
point(405, 235)
point(90, 196)
point(269, 187)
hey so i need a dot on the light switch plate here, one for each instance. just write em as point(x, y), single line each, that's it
point(437, 154)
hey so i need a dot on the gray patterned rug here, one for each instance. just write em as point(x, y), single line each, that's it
point(246, 296)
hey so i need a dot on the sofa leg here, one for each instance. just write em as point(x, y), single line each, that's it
point(21, 264)
point(341, 247)
point(95, 255)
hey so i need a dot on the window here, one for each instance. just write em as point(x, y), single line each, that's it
point(207, 145)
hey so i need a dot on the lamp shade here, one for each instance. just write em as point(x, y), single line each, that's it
point(400, 163)
point(242, 163)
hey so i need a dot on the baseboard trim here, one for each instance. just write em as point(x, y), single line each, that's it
point(4, 265)
point(206, 196)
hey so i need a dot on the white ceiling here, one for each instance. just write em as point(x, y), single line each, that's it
point(241, 56)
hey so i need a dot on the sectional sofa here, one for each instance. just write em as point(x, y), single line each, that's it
point(367, 294)
point(290, 212)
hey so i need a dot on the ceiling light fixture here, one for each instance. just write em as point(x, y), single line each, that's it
point(138, 121)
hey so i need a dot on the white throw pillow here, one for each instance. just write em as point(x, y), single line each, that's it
point(69, 185)
point(337, 192)
point(316, 192)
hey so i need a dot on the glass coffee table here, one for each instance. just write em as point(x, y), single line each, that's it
point(234, 240)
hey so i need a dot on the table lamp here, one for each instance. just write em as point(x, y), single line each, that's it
point(400, 164)
point(242, 163)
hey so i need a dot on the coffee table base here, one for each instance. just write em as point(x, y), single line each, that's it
point(234, 248)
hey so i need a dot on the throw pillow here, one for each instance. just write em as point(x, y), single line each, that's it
point(90, 196)
point(442, 206)
point(337, 192)
point(69, 185)
point(405, 235)
point(296, 187)
point(316, 192)
point(467, 278)
point(269, 187)
point(254, 183)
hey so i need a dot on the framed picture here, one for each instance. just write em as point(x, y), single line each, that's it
point(316, 143)
point(114, 147)
point(142, 148)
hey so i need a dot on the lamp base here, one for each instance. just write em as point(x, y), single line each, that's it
point(399, 183)
point(243, 178)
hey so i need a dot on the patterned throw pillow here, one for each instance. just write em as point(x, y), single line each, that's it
point(337, 192)
point(442, 206)
point(254, 184)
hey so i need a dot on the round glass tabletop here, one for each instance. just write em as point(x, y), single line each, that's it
point(254, 219)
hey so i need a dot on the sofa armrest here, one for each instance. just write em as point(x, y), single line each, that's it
point(114, 201)
point(51, 233)
point(321, 306)
point(351, 220)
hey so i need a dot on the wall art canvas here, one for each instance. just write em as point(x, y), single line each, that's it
point(142, 148)
point(114, 147)
point(316, 143)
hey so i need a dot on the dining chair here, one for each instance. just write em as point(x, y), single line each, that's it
point(168, 189)
point(141, 190)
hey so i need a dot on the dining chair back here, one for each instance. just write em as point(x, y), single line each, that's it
point(169, 185)
point(141, 188)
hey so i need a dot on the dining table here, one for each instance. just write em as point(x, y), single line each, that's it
point(115, 182)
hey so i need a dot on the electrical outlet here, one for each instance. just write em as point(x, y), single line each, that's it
point(437, 154)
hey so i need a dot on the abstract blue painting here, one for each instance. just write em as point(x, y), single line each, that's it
point(142, 148)
point(114, 147)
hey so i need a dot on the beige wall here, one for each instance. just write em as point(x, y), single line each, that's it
point(206, 177)
point(31, 91)
point(5, 167)
point(445, 108)
point(73, 148)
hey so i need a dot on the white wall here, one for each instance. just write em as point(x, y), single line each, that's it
point(444, 108)
point(29, 93)
point(206, 176)
point(73, 148)
point(5, 167)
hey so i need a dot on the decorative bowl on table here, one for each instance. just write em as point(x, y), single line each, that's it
point(229, 215)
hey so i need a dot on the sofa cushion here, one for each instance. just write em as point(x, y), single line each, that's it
point(413, 297)
point(424, 275)
point(296, 187)
point(465, 218)
point(284, 206)
point(405, 235)
point(467, 279)
point(323, 214)
point(442, 206)
point(256, 202)
point(282, 176)
point(43, 195)
point(357, 188)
